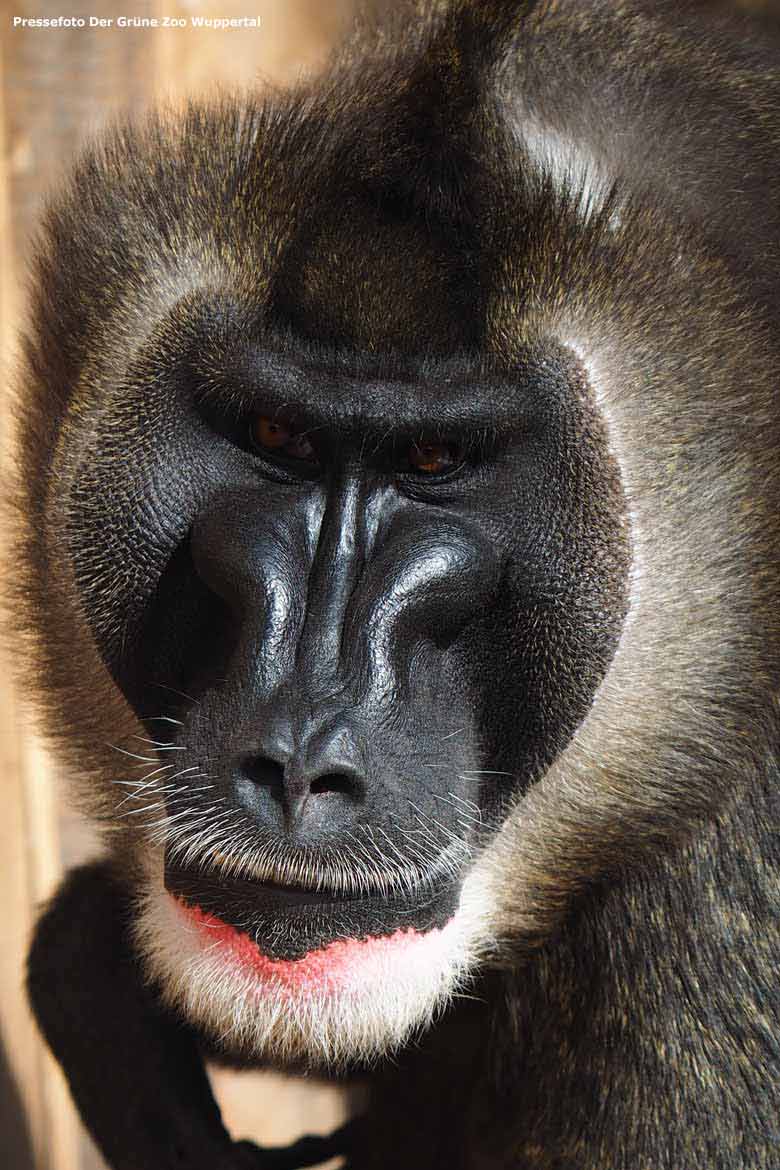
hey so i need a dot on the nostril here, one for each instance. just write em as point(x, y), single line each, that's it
point(335, 782)
point(266, 773)
point(316, 789)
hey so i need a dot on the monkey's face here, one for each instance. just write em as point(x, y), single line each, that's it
point(357, 578)
point(355, 627)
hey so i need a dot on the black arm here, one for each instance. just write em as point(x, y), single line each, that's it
point(135, 1071)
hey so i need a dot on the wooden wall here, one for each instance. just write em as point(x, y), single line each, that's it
point(57, 87)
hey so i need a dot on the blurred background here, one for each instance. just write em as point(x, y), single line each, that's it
point(56, 88)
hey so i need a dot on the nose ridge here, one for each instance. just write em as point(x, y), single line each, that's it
point(336, 568)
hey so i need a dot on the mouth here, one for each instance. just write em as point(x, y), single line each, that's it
point(261, 923)
point(306, 975)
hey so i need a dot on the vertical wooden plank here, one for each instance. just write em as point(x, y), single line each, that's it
point(20, 1105)
point(292, 39)
point(21, 1101)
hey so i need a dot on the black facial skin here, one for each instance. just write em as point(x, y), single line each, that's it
point(331, 629)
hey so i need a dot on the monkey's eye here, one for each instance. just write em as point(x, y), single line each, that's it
point(429, 458)
point(274, 437)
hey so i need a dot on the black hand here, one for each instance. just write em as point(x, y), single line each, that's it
point(307, 1151)
point(135, 1071)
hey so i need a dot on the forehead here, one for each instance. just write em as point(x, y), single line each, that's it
point(365, 273)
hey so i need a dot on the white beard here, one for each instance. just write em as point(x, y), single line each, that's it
point(352, 1001)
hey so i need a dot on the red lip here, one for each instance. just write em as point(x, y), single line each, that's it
point(327, 968)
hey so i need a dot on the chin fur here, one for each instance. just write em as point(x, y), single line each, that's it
point(349, 1003)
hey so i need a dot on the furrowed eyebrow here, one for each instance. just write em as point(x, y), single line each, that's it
point(313, 397)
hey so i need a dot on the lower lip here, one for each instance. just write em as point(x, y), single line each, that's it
point(326, 969)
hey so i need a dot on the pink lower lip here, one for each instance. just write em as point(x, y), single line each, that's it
point(326, 969)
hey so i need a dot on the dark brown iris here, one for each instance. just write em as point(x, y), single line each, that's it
point(429, 458)
point(271, 435)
